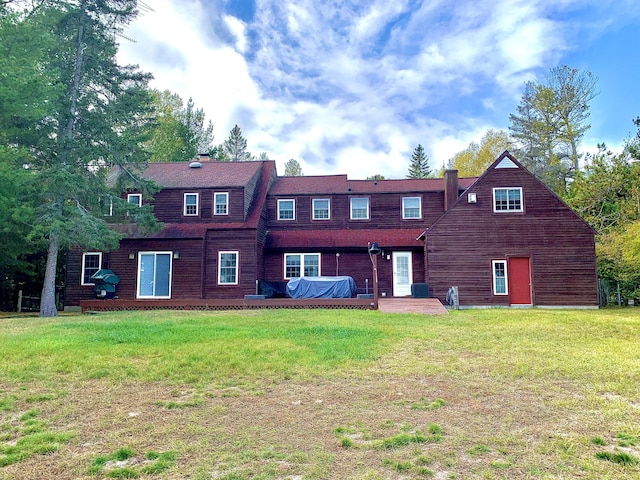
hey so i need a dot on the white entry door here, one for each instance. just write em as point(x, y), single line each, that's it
point(402, 274)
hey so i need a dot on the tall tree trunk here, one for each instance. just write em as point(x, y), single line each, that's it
point(48, 306)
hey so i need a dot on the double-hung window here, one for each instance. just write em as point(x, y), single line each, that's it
point(321, 209)
point(359, 208)
point(411, 208)
point(190, 204)
point(135, 199)
point(154, 274)
point(91, 263)
point(221, 203)
point(301, 265)
point(500, 285)
point(287, 209)
point(507, 199)
point(228, 268)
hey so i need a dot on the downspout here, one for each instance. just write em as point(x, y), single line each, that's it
point(203, 267)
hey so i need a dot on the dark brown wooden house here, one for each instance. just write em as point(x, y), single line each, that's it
point(510, 241)
point(230, 225)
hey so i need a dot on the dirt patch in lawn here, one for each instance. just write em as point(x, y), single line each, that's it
point(350, 428)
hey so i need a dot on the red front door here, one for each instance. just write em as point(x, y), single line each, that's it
point(519, 281)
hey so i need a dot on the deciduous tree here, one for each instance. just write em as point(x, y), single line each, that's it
point(180, 131)
point(475, 159)
point(292, 168)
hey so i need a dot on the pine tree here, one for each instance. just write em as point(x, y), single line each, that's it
point(96, 118)
point(419, 167)
point(236, 146)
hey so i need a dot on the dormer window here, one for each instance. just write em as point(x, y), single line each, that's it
point(190, 204)
point(507, 200)
point(221, 203)
point(286, 209)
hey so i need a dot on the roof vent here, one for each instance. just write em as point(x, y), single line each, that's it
point(195, 165)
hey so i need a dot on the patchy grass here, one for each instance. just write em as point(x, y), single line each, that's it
point(312, 395)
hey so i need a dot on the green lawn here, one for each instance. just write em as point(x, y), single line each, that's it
point(315, 394)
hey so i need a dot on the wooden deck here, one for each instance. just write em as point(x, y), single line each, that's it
point(428, 306)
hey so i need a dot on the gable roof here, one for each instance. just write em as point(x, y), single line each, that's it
point(504, 161)
point(340, 184)
point(210, 174)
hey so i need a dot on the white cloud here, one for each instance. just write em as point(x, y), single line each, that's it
point(350, 87)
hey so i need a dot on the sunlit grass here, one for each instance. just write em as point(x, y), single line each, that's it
point(381, 395)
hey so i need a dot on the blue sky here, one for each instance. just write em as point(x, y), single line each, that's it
point(353, 86)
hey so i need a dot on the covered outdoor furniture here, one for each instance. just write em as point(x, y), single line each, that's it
point(105, 282)
point(322, 287)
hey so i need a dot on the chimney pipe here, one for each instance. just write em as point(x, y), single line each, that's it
point(450, 188)
point(203, 157)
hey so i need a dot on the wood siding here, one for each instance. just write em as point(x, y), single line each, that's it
point(385, 211)
point(168, 205)
point(356, 264)
point(462, 244)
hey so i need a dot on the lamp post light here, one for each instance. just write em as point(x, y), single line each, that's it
point(374, 251)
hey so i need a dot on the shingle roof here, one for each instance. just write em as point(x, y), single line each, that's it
point(399, 237)
point(328, 184)
point(210, 174)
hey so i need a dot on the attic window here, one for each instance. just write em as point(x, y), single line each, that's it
point(135, 199)
point(506, 162)
point(507, 200)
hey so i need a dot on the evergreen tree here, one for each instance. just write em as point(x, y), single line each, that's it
point(419, 167)
point(549, 124)
point(94, 118)
point(236, 146)
point(292, 168)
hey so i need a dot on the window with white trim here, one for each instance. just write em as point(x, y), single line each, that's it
point(190, 204)
point(227, 268)
point(287, 209)
point(359, 208)
point(321, 209)
point(154, 274)
point(135, 199)
point(507, 199)
point(220, 203)
point(500, 285)
point(91, 263)
point(411, 208)
point(301, 265)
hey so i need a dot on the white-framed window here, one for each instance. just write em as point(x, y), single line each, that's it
point(500, 284)
point(286, 209)
point(227, 268)
point(507, 199)
point(301, 265)
point(190, 204)
point(359, 207)
point(220, 203)
point(91, 263)
point(411, 207)
point(321, 209)
point(135, 199)
point(154, 274)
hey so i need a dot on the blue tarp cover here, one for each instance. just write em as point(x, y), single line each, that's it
point(321, 287)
